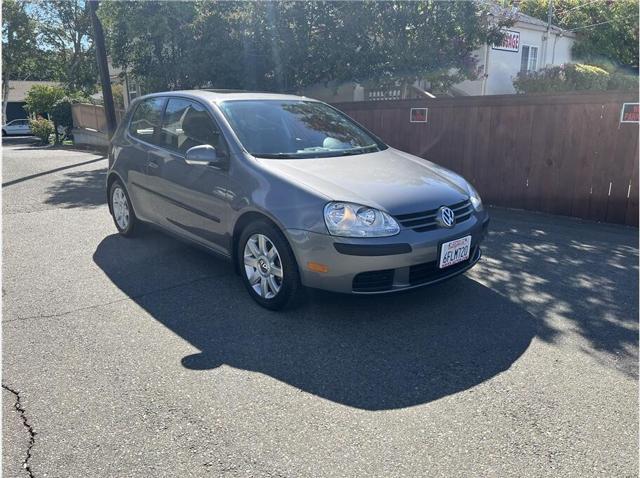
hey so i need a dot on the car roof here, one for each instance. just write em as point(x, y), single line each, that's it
point(218, 96)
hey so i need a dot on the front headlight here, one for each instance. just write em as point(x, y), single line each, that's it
point(353, 220)
point(474, 197)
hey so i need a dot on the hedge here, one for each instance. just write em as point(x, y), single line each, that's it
point(573, 77)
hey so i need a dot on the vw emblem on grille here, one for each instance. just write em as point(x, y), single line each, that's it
point(445, 217)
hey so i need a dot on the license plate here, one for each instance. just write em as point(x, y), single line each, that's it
point(456, 251)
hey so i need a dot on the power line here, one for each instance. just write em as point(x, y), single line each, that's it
point(578, 6)
point(589, 26)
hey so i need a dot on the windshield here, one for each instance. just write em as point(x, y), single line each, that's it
point(296, 129)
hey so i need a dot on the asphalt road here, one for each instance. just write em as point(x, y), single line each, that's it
point(146, 357)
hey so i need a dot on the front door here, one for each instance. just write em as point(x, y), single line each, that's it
point(195, 200)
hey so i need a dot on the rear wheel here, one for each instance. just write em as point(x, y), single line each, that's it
point(268, 267)
point(121, 210)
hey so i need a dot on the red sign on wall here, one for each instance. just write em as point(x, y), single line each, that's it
point(418, 115)
point(629, 113)
point(510, 41)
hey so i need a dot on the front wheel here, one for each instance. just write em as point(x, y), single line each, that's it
point(268, 267)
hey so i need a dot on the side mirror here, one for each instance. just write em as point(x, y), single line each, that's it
point(203, 155)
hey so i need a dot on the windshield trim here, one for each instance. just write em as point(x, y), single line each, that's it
point(378, 143)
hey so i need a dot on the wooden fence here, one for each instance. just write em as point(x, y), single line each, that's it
point(562, 154)
point(91, 117)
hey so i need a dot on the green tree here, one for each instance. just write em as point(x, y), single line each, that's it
point(153, 40)
point(64, 30)
point(42, 100)
point(607, 31)
point(19, 48)
point(284, 45)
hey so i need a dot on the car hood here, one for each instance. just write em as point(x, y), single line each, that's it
point(391, 180)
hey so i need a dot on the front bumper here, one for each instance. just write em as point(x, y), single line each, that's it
point(386, 264)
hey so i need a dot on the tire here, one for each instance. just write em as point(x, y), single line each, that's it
point(263, 271)
point(121, 209)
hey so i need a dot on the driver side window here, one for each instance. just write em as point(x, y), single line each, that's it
point(146, 119)
point(187, 124)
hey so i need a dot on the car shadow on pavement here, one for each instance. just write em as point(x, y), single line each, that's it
point(373, 352)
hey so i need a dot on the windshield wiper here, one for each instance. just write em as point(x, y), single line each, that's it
point(311, 154)
point(360, 150)
point(277, 155)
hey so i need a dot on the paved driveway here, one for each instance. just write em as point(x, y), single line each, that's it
point(146, 358)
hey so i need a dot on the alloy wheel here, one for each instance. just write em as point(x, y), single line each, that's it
point(120, 207)
point(263, 266)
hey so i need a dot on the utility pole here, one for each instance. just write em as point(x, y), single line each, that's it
point(103, 68)
point(546, 40)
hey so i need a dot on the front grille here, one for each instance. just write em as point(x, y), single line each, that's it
point(373, 281)
point(426, 220)
point(429, 271)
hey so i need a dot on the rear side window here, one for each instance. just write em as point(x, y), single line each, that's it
point(187, 124)
point(146, 119)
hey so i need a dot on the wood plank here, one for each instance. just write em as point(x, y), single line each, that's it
point(554, 187)
point(603, 161)
point(470, 141)
point(632, 201)
point(585, 158)
point(625, 158)
point(483, 178)
point(541, 131)
point(521, 155)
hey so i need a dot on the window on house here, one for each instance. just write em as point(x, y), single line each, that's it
point(529, 60)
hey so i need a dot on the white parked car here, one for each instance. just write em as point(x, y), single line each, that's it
point(16, 127)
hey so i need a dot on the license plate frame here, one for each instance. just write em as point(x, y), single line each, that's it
point(467, 240)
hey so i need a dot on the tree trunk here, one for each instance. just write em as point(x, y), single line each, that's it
point(5, 97)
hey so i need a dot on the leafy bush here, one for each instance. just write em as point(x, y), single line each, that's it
point(42, 128)
point(586, 77)
point(622, 81)
point(569, 77)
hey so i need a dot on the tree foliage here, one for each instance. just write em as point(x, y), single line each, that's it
point(284, 45)
point(41, 98)
point(64, 33)
point(18, 40)
point(48, 40)
point(607, 31)
point(19, 50)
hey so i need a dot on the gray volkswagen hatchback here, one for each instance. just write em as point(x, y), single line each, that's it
point(293, 191)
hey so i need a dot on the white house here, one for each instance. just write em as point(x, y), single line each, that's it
point(526, 46)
